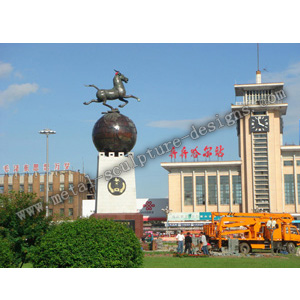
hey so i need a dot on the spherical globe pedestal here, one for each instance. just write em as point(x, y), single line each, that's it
point(114, 135)
point(114, 132)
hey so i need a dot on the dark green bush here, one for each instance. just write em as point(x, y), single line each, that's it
point(7, 259)
point(25, 233)
point(88, 243)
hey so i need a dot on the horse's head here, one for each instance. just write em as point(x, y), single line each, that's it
point(121, 76)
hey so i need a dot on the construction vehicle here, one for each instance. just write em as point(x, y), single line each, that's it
point(253, 232)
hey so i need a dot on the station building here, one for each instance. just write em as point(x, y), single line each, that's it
point(63, 186)
point(267, 176)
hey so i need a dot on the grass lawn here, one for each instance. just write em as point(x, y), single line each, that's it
point(164, 260)
point(283, 261)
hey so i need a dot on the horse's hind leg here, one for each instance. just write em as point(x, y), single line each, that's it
point(104, 103)
point(126, 101)
point(87, 103)
point(131, 96)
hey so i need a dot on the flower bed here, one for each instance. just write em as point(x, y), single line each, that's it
point(188, 255)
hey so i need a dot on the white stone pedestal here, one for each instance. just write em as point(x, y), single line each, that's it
point(115, 184)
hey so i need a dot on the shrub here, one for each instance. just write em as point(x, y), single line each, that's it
point(7, 259)
point(25, 233)
point(89, 243)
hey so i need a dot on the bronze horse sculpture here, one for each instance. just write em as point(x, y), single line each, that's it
point(117, 92)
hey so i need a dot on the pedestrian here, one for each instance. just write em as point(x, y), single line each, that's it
point(209, 248)
point(188, 243)
point(203, 243)
point(151, 240)
point(180, 239)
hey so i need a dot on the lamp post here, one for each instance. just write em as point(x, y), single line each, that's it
point(167, 211)
point(47, 132)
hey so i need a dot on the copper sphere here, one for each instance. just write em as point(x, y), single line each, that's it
point(114, 132)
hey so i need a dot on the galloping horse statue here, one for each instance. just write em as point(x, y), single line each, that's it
point(117, 92)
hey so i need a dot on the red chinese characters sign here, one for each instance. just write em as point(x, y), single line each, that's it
point(35, 168)
point(195, 153)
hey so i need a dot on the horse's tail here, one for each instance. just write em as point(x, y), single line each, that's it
point(92, 85)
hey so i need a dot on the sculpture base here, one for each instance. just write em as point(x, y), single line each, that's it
point(117, 193)
point(132, 220)
point(113, 110)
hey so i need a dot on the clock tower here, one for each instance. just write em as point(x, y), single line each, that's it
point(260, 139)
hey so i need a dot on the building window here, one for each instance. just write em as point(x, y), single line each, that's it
point(50, 210)
point(62, 187)
point(200, 190)
point(259, 113)
point(71, 199)
point(1, 189)
point(30, 189)
point(261, 163)
point(298, 162)
point(298, 186)
point(224, 189)
point(188, 190)
point(41, 187)
point(21, 187)
point(62, 212)
point(288, 163)
point(10, 187)
point(259, 154)
point(50, 187)
point(289, 189)
point(212, 190)
point(236, 189)
point(71, 186)
point(70, 211)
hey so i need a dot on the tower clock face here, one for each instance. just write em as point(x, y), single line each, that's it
point(259, 124)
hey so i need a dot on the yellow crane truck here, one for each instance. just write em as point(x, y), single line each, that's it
point(253, 231)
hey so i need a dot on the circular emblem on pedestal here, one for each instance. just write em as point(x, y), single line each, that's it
point(116, 186)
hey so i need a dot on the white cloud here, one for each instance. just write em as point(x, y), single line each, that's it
point(183, 124)
point(291, 78)
point(5, 69)
point(17, 91)
point(18, 75)
point(288, 75)
point(45, 90)
point(178, 124)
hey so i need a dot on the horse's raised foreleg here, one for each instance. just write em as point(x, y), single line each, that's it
point(121, 99)
point(87, 103)
point(91, 85)
point(131, 96)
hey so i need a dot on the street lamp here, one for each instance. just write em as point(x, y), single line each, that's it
point(47, 132)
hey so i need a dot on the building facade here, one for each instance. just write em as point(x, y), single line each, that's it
point(267, 176)
point(67, 189)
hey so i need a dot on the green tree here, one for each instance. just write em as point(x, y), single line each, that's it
point(7, 259)
point(24, 232)
point(89, 243)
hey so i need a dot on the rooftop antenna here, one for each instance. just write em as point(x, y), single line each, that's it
point(258, 73)
point(257, 56)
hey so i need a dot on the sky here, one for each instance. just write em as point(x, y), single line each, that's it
point(42, 85)
point(180, 85)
